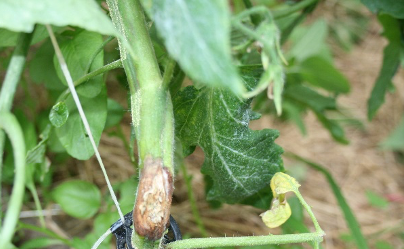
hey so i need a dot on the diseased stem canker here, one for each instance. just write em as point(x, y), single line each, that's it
point(152, 210)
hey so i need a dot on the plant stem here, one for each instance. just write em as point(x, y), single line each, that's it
point(245, 241)
point(85, 78)
point(100, 48)
point(308, 209)
point(9, 87)
point(192, 201)
point(168, 73)
point(38, 206)
point(13, 129)
point(153, 121)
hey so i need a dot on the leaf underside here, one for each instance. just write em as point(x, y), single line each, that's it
point(240, 161)
point(22, 15)
point(200, 45)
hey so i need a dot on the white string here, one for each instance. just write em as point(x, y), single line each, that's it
point(73, 92)
point(101, 239)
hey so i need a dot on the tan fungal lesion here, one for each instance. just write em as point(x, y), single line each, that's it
point(152, 209)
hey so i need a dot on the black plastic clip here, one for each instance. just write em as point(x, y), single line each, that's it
point(123, 232)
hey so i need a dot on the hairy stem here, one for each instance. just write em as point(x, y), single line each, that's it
point(10, 83)
point(245, 241)
point(85, 78)
point(153, 122)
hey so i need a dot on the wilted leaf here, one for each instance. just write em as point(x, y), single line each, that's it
point(197, 35)
point(37, 154)
point(22, 15)
point(282, 183)
point(78, 198)
point(277, 215)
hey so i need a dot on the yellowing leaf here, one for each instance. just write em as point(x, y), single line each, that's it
point(277, 215)
point(282, 183)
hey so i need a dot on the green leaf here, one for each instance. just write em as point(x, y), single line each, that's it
point(310, 98)
point(395, 141)
point(78, 198)
point(115, 113)
point(394, 8)
point(240, 161)
point(391, 61)
point(59, 114)
point(72, 134)
point(197, 35)
point(333, 126)
point(309, 42)
point(9, 38)
point(22, 15)
point(40, 243)
point(79, 48)
point(42, 70)
point(376, 200)
point(321, 73)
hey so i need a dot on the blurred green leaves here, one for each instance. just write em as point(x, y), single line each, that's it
point(393, 31)
point(22, 15)
point(78, 198)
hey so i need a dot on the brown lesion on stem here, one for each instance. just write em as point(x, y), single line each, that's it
point(152, 210)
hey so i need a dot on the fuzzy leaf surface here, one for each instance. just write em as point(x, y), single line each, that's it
point(240, 161)
point(197, 35)
point(22, 15)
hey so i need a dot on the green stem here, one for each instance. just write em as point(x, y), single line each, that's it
point(13, 129)
point(310, 212)
point(45, 231)
point(192, 201)
point(168, 73)
point(38, 205)
point(245, 241)
point(9, 86)
point(277, 14)
point(100, 48)
point(151, 110)
point(85, 78)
